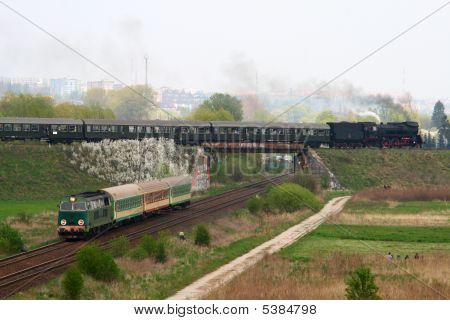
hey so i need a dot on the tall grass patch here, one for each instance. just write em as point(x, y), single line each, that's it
point(289, 197)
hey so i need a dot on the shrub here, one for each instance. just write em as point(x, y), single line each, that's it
point(120, 246)
point(148, 243)
point(72, 283)
point(138, 253)
point(160, 254)
point(307, 181)
point(361, 285)
point(290, 197)
point(255, 204)
point(97, 263)
point(202, 236)
point(10, 239)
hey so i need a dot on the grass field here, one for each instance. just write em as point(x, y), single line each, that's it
point(9, 208)
point(385, 207)
point(316, 266)
point(362, 168)
point(35, 171)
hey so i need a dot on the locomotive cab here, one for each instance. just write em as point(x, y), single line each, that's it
point(84, 214)
point(72, 217)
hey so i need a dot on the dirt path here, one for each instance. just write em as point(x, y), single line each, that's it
point(224, 274)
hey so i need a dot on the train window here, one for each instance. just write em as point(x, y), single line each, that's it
point(1, 126)
point(140, 129)
point(104, 128)
point(148, 129)
point(8, 127)
point(54, 127)
point(184, 129)
point(26, 127)
point(95, 128)
point(156, 129)
point(72, 128)
point(131, 129)
point(17, 127)
point(88, 128)
point(62, 128)
point(320, 133)
point(34, 127)
point(112, 128)
point(166, 129)
point(273, 131)
point(192, 130)
point(235, 130)
point(222, 130)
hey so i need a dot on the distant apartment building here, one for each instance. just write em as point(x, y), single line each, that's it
point(64, 88)
point(102, 84)
point(174, 98)
point(25, 85)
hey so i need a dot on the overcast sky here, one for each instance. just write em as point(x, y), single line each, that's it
point(220, 45)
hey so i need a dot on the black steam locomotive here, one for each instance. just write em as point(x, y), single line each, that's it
point(369, 134)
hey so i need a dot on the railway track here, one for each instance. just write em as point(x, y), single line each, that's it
point(30, 268)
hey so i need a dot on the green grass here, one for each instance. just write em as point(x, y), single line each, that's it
point(35, 171)
point(385, 233)
point(369, 239)
point(362, 168)
point(10, 208)
point(412, 207)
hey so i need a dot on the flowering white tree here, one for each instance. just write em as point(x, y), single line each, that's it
point(130, 161)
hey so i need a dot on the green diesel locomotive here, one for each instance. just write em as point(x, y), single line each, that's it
point(85, 214)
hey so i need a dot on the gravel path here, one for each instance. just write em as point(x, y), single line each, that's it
point(224, 274)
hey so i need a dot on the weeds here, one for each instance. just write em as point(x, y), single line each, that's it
point(120, 246)
point(410, 194)
point(10, 239)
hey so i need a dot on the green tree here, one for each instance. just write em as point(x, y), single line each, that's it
point(326, 116)
point(134, 103)
point(72, 283)
point(96, 97)
point(202, 113)
point(224, 101)
point(26, 105)
point(438, 114)
point(361, 285)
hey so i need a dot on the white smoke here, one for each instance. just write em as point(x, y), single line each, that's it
point(371, 114)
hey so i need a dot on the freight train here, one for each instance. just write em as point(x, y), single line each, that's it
point(86, 214)
point(332, 134)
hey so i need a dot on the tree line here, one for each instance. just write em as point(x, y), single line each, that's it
point(439, 120)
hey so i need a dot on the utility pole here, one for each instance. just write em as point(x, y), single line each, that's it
point(146, 70)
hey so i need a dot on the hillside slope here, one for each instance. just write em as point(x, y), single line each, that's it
point(33, 170)
point(360, 168)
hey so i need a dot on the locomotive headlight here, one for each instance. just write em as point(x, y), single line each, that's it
point(81, 222)
point(63, 222)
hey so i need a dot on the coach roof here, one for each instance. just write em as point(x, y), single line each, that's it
point(41, 121)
